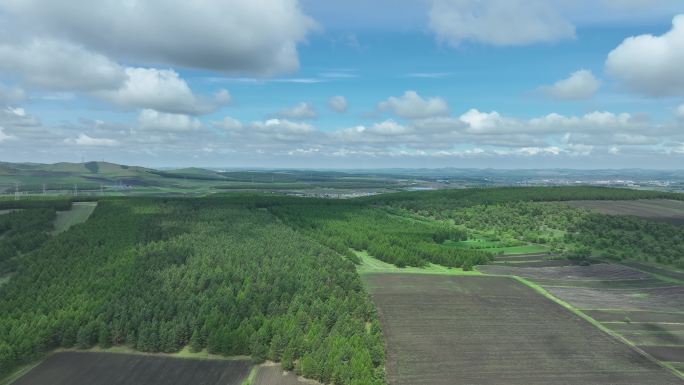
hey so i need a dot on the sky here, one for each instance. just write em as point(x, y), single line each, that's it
point(353, 84)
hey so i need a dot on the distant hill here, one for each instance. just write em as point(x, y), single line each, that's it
point(99, 176)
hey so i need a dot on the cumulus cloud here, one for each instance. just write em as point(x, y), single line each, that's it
point(258, 37)
point(301, 111)
point(162, 90)
point(88, 141)
point(413, 106)
point(3, 136)
point(651, 65)
point(59, 65)
point(16, 117)
point(283, 129)
point(580, 85)
point(152, 120)
point(680, 112)
point(498, 22)
point(338, 104)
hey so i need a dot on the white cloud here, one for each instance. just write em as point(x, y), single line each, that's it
point(88, 141)
point(3, 136)
point(680, 112)
point(258, 37)
point(651, 65)
point(482, 122)
point(388, 128)
point(498, 22)
point(152, 120)
point(283, 126)
point(162, 90)
point(229, 124)
point(300, 111)
point(338, 104)
point(580, 85)
point(59, 65)
point(413, 106)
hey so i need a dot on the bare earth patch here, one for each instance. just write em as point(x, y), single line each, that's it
point(75, 368)
point(495, 330)
point(664, 210)
point(274, 375)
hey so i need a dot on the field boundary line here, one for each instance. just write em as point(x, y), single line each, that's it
point(597, 324)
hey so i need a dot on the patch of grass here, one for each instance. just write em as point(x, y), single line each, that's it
point(79, 213)
point(496, 248)
point(5, 279)
point(371, 265)
point(252, 373)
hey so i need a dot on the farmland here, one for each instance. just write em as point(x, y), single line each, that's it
point(645, 310)
point(491, 330)
point(665, 210)
point(75, 368)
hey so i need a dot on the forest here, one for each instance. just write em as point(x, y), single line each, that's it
point(157, 275)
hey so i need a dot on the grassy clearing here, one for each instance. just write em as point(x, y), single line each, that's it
point(496, 248)
point(4, 279)
point(79, 213)
point(250, 377)
point(370, 265)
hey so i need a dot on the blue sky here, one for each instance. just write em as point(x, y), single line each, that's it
point(430, 83)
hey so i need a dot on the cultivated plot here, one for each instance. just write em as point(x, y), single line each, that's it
point(664, 210)
point(76, 368)
point(495, 330)
point(645, 310)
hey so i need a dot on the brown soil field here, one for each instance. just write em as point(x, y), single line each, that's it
point(76, 368)
point(670, 273)
point(664, 210)
point(665, 353)
point(649, 327)
point(524, 257)
point(656, 338)
point(599, 271)
point(538, 263)
point(604, 284)
point(648, 299)
point(615, 293)
point(634, 316)
point(274, 375)
point(473, 330)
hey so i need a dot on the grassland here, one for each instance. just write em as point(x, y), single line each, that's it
point(494, 330)
point(370, 265)
point(76, 368)
point(79, 213)
point(496, 247)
